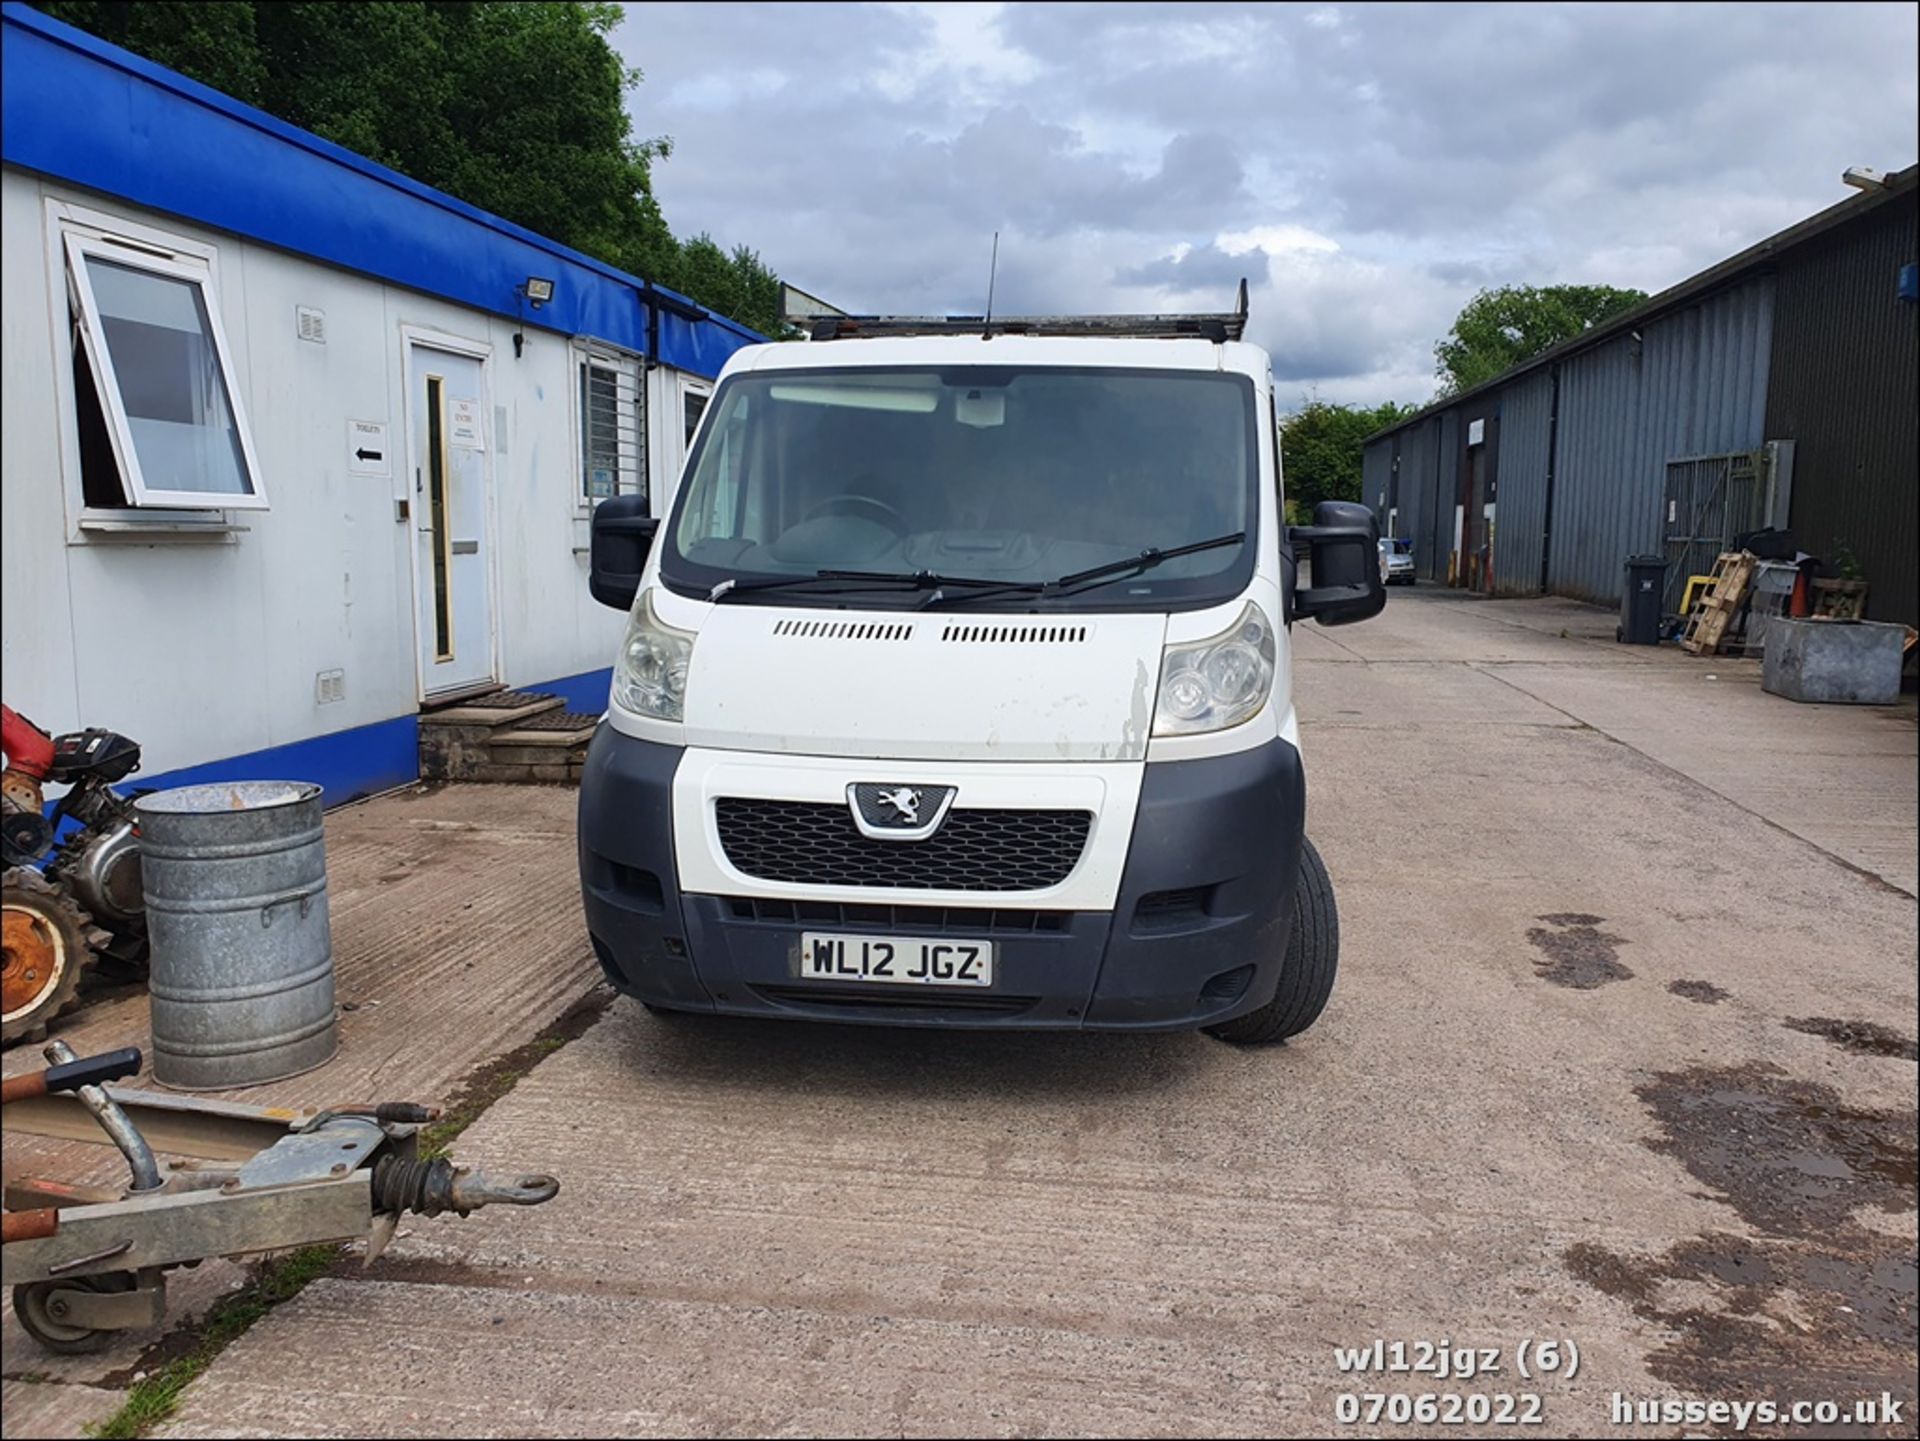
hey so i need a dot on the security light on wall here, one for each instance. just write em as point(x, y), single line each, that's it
point(1863, 177)
point(536, 291)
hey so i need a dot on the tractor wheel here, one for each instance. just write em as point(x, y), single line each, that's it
point(46, 953)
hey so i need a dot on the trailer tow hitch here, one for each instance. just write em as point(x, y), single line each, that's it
point(84, 1261)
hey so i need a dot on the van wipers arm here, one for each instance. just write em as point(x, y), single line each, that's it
point(923, 579)
point(1097, 575)
point(876, 579)
point(1146, 560)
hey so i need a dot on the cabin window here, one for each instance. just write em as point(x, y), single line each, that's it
point(613, 429)
point(159, 416)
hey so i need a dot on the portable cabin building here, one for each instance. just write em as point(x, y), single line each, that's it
point(295, 446)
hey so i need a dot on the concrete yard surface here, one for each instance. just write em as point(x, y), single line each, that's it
point(456, 939)
point(1621, 1056)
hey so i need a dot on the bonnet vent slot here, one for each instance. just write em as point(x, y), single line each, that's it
point(843, 630)
point(1015, 634)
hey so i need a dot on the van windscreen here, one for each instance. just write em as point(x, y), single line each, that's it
point(1003, 475)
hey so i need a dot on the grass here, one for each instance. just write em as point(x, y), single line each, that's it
point(486, 1088)
point(153, 1400)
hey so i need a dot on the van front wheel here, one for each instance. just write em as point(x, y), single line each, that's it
point(1306, 976)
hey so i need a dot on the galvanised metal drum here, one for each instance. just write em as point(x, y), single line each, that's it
point(235, 876)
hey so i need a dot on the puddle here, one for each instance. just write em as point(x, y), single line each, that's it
point(1578, 954)
point(1861, 1036)
point(1815, 1303)
point(1705, 992)
point(1786, 1154)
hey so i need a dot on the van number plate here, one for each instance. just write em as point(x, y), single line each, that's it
point(896, 960)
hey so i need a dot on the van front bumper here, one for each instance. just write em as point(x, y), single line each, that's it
point(1197, 934)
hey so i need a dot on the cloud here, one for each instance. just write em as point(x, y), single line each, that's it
point(1204, 267)
point(1368, 167)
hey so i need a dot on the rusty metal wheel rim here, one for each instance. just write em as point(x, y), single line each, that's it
point(36, 959)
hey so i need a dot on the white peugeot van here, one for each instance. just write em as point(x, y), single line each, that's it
point(956, 689)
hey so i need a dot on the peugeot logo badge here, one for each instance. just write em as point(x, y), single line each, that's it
point(898, 812)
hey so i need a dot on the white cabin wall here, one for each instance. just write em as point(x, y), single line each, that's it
point(37, 673)
point(205, 650)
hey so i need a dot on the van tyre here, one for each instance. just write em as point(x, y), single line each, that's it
point(1306, 976)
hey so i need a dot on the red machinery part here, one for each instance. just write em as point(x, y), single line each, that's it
point(28, 748)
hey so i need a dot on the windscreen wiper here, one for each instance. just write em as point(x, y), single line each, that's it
point(1097, 575)
point(880, 580)
point(937, 586)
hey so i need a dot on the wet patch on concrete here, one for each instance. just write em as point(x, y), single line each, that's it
point(1705, 992)
point(1863, 1037)
point(1815, 1305)
point(1779, 1320)
point(1576, 952)
point(1573, 918)
point(1786, 1154)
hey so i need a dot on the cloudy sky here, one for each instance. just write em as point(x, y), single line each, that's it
point(1368, 167)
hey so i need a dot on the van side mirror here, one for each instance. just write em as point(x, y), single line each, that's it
point(622, 535)
point(1343, 547)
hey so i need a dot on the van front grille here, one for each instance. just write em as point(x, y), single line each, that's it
point(810, 843)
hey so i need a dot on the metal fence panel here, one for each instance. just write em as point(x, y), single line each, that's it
point(1710, 499)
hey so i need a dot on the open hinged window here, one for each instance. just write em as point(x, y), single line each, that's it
point(159, 419)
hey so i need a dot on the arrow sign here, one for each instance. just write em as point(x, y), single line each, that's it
point(367, 448)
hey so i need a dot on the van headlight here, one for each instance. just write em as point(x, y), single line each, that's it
point(650, 678)
point(1208, 685)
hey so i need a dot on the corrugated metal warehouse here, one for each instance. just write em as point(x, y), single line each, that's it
point(1776, 388)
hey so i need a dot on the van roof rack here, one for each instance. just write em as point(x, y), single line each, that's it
point(1218, 328)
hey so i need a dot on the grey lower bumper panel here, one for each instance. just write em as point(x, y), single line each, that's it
point(1198, 934)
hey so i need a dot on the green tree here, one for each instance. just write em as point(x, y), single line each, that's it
point(1320, 446)
point(516, 108)
point(1498, 329)
point(211, 41)
point(759, 294)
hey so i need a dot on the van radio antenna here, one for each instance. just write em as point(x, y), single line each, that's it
point(993, 270)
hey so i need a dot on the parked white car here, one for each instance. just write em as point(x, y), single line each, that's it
point(956, 691)
point(1396, 561)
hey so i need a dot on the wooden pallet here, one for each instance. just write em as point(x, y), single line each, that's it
point(1719, 603)
point(1839, 599)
